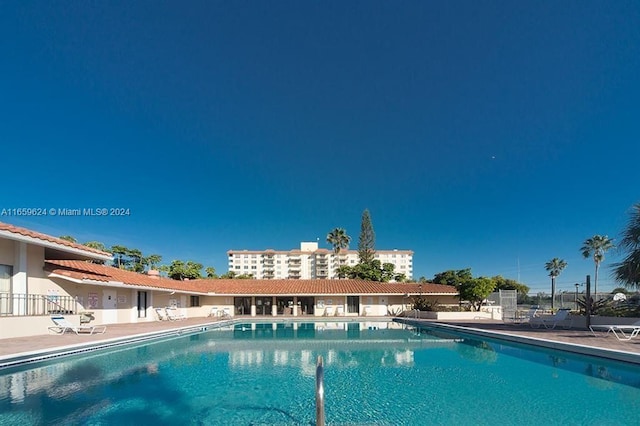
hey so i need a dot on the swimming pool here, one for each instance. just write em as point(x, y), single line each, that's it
point(381, 373)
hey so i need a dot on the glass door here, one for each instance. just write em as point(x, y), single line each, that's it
point(142, 304)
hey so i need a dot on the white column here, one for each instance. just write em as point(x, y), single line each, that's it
point(19, 279)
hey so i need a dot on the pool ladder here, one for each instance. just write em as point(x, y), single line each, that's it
point(320, 391)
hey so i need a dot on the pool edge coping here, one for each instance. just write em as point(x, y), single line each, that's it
point(611, 354)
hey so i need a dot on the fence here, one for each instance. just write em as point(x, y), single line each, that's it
point(13, 304)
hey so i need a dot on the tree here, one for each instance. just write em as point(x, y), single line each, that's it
point(211, 272)
point(509, 284)
point(554, 267)
point(367, 239)
point(228, 276)
point(135, 263)
point(627, 272)
point(371, 271)
point(152, 260)
point(476, 290)
point(68, 238)
point(179, 270)
point(96, 245)
point(119, 252)
point(452, 277)
point(387, 272)
point(596, 246)
point(339, 239)
point(344, 271)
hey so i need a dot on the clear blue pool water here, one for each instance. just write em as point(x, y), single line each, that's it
point(375, 374)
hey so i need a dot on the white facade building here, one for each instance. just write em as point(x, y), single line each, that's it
point(310, 262)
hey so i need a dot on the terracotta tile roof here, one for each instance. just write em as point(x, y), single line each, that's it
point(90, 271)
point(80, 270)
point(44, 237)
point(322, 287)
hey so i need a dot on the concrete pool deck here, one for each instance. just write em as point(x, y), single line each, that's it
point(582, 339)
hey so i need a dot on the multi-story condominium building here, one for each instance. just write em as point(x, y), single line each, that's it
point(309, 262)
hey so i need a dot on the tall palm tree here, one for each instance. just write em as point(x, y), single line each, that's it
point(627, 272)
point(596, 246)
point(554, 267)
point(339, 239)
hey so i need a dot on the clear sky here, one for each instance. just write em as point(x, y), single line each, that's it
point(493, 135)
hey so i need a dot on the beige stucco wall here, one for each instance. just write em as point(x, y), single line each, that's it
point(6, 252)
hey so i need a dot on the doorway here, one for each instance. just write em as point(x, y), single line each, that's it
point(109, 307)
point(142, 304)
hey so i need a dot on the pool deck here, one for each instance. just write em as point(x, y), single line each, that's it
point(581, 339)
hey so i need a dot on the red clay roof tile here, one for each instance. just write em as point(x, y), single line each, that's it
point(84, 270)
point(44, 237)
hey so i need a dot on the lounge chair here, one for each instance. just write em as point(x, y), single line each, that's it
point(162, 314)
point(214, 312)
point(621, 331)
point(62, 325)
point(328, 311)
point(562, 316)
point(174, 315)
point(515, 317)
point(340, 310)
point(226, 313)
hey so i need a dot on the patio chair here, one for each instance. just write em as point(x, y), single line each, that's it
point(621, 331)
point(214, 312)
point(562, 316)
point(174, 315)
point(226, 313)
point(162, 314)
point(328, 311)
point(515, 317)
point(62, 325)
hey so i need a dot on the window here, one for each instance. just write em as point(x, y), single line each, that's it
point(6, 272)
point(195, 301)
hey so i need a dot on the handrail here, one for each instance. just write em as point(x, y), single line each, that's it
point(320, 391)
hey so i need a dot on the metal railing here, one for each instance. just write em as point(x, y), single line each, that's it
point(320, 391)
point(15, 304)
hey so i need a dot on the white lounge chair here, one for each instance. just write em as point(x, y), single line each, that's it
point(562, 316)
point(328, 311)
point(174, 315)
point(340, 310)
point(226, 313)
point(62, 325)
point(162, 314)
point(621, 331)
point(515, 317)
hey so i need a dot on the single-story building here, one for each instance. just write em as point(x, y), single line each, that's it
point(41, 275)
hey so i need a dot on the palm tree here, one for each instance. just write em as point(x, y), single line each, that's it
point(627, 272)
point(554, 267)
point(339, 239)
point(596, 246)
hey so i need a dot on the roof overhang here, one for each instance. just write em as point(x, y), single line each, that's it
point(85, 254)
point(119, 284)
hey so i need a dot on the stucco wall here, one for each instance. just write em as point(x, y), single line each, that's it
point(6, 252)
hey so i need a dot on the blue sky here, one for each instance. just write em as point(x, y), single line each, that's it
point(494, 135)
